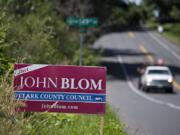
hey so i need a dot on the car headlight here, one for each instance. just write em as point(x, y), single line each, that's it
point(149, 80)
point(170, 80)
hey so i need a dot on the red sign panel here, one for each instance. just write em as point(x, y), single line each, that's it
point(66, 89)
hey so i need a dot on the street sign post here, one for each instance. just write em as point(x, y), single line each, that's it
point(64, 89)
point(82, 23)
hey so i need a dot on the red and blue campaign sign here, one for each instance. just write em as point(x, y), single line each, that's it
point(55, 88)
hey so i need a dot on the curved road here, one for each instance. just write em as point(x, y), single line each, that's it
point(154, 113)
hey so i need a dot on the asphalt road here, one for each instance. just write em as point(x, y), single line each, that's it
point(155, 113)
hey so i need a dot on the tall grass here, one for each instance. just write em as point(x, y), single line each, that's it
point(71, 124)
point(11, 123)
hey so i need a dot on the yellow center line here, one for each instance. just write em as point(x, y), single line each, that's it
point(145, 51)
point(176, 85)
point(131, 34)
point(151, 59)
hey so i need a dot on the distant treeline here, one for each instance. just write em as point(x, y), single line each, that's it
point(168, 10)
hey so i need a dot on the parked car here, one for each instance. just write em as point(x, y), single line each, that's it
point(156, 77)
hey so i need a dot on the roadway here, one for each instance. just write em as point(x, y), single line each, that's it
point(155, 113)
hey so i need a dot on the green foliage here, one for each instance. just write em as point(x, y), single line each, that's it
point(43, 37)
point(90, 58)
point(22, 7)
point(71, 124)
point(169, 9)
point(119, 15)
point(172, 32)
point(129, 16)
point(112, 124)
point(175, 13)
point(54, 123)
point(40, 38)
point(34, 39)
point(134, 14)
point(109, 12)
point(5, 61)
point(11, 123)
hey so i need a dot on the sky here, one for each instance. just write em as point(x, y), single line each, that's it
point(136, 1)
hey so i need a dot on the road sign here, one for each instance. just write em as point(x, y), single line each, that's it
point(82, 22)
point(88, 22)
point(66, 89)
point(73, 21)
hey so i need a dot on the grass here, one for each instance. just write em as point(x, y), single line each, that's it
point(152, 24)
point(172, 32)
point(11, 123)
point(71, 124)
point(14, 123)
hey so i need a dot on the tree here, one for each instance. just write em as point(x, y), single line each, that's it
point(41, 36)
point(5, 61)
point(77, 8)
point(175, 13)
point(167, 8)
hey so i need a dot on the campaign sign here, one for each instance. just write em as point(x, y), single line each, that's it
point(65, 89)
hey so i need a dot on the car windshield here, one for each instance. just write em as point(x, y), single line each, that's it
point(165, 72)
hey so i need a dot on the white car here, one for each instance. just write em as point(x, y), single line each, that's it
point(156, 77)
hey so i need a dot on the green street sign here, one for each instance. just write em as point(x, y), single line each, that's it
point(73, 21)
point(82, 22)
point(88, 22)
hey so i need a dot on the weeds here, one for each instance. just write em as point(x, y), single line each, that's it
point(10, 122)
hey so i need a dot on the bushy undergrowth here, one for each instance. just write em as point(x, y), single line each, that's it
point(11, 123)
point(73, 124)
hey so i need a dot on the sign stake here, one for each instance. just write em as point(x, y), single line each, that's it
point(101, 124)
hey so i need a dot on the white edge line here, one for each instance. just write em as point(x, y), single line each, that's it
point(135, 90)
point(165, 46)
